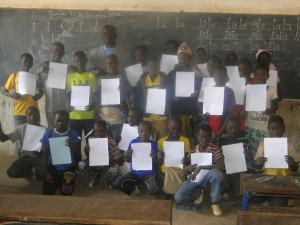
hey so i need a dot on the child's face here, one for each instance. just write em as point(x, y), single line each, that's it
point(174, 130)
point(133, 118)
point(99, 131)
point(170, 49)
point(153, 68)
point(57, 53)
point(233, 128)
point(261, 76)
point(276, 129)
point(145, 133)
point(184, 60)
point(61, 123)
point(112, 66)
point(32, 117)
point(231, 60)
point(220, 77)
point(140, 56)
point(26, 63)
point(211, 65)
point(244, 70)
point(264, 58)
point(203, 138)
point(109, 36)
point(80, 62)
point(201, 55)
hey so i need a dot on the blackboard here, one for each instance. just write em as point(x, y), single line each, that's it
point(34, 30)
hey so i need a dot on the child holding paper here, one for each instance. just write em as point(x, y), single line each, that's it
point(60, 176)
point(171, 47)
point(113, 114)
point(22, 102)
point(213, 62)
point(175, 128)
point(128, 183)
point(81, 120)
point(115, 156)
point(190, 191)
point(141, 56)
point(201, 55)
point(231, 59)
point(153, 78)
point(28, 165)
point(257, 121)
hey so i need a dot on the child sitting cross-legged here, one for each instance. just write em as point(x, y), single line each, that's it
point(190, 192)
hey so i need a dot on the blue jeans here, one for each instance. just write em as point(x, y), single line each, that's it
point(19, 120)
point(189, 191)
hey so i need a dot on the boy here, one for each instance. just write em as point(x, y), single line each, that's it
point(231, 59)
point(55, 99)
point(81, 120)
point(28, 165)
point(128, 183)
point(113, 115)
point(213, 62)
point(201, 55)
point(115, 156)
point(22, 102)
point(245, 69)
point(175, 128)
point(141, 56)
point(171, 47)
point(59, 176)
point(153, 78)
point(190, 191)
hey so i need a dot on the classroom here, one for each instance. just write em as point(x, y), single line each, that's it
point(208, 90)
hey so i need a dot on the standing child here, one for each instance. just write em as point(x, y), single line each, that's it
point(81, 120)
point(213, 62)
point(115, 156)
point(171, 47)
point(59, 176)
point(231, 59)
point(28, 165)
point(22, 102)
point(191, 190)
point(129, 182)
point(257, 122)
point(245, 69)
point(141, 56)
point(201, 55)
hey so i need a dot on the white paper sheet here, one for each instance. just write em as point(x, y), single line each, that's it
point(233, 72)
point(26, 83)
point(32, 138)
point(174, 153)
point(273, 79)
point(201, 158)
point(206, 82)
point(57, 75)
point(141, 159)
point(80, 97)
point(256, 97)
point(98, 155)
point(203, 69)
point(185, 84)
point(110, 93)
point(168, 63)
point(201, 175)
point(213, 100)
point(60, 153)
point(156, 101)
point(238, 86)
point(134, 73)
point(128, 134)
point(234, 158)
point(275, 149)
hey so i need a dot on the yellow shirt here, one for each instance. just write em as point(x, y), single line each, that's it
point(270, 171)
point(23, 103)
point(160, 145)
point(83, 79)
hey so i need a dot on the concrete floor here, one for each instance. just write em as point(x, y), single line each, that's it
point(20, 186)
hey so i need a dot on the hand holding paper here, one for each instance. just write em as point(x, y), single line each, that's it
point(141, 159)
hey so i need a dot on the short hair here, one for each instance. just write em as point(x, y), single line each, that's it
point(109, 27)
point(35, 109)
point(113, 57)
point(231, 54)
point(201, 48)
point(216, 59)
point(154, 59)
point(205, 128)
point(275, 119)
point(245, 61)
point(141, 47)
point(262, 67)
point(221, 68)
point(80, 54)
point(59, 44)
point(62, 113)
point(146, 123)
point(100, 123)
point(174, 42)
point(26, 55)
point(138, 110)
point(175, 119)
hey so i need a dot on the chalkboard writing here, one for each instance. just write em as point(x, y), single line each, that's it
point(34, 30)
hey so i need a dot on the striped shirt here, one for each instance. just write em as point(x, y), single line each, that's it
point(211, 148)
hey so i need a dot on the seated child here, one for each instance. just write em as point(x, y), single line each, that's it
point(60, 176)
point(190, 191)
point(129, 182)
point(175, 128)
point(115, 156)
point(28, 165)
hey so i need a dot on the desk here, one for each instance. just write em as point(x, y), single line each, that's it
point(82, 210)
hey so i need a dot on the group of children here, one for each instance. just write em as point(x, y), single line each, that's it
point(182, 122)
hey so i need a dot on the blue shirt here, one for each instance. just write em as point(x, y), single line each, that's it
point(73, 136)
point(154, 166)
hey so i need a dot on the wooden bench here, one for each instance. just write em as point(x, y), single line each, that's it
point(83, 210)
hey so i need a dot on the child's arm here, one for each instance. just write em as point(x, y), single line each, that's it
point(39, 95)
point(128, 155)
point(260, 162)
point(3, 136)
point(11, 95)
point(293, 165)
point(274, 107)
point(73, 147)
